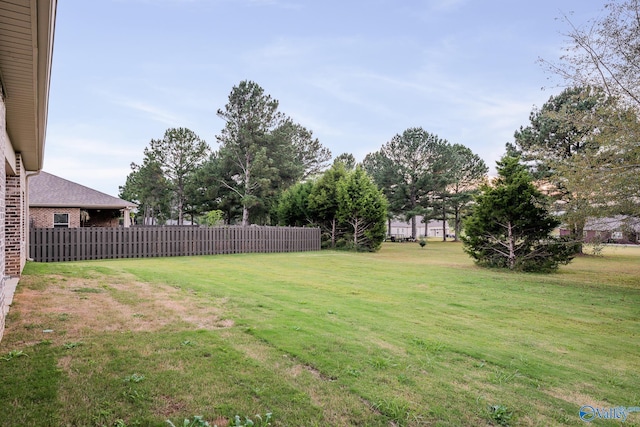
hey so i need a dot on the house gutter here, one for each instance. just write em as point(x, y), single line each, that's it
point(28, 174)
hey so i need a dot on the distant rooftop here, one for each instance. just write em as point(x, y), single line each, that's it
point(47, 190)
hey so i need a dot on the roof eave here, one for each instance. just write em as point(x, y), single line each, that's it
point(26, 49)
point(46, 11)
point(75, 205)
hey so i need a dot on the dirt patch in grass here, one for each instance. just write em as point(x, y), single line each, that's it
point(169, 407)
point(577, 398)
point(64, 363)
point(112, 307)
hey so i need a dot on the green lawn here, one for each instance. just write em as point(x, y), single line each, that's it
point(406, 336)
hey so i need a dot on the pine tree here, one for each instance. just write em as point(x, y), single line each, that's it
point(510, 224)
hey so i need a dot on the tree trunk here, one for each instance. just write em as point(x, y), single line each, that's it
point(413, 227)
point(444, 222)
point(245, 215)
point(512, 249)
point(333, 233)
point(247, 189)
point(356, 230)
point(576, 231)
point(456, 225)
point(413, 201)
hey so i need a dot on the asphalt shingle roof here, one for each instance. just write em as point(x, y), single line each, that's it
point(47, 190)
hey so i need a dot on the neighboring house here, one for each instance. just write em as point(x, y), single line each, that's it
point(56, 202)
point(402, 229)
point(618, 229)
point(26, 49)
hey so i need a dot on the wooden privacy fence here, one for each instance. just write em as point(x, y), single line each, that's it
point(77, 244)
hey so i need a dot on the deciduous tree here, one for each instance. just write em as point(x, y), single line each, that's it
point(605, 52)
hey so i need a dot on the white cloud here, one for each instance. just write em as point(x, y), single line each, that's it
point(152, 112)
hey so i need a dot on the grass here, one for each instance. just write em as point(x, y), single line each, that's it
point(406, 336)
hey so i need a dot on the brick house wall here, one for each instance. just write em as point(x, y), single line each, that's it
point(43, 217)
point(15, 221)
point(4, 142)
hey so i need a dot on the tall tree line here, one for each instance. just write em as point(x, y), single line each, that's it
point(268, 169)
point(422, 174)
point(261, 153)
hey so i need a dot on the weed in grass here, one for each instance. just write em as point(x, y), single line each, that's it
point(187, 343)
point(500, 376)
point(381, 363)
point(428, 362)
point(63, 317)
point(133, 395)
point(500, 414)
point(134, 378)
point(102, 416)
point(197, 421)
point(258, 391)
point(248, 422)
point(138, 315)
point(13, 354)
point(70, 345)
point(353, 372)
point(405, 380)
point(395, 409)
point(431, 347)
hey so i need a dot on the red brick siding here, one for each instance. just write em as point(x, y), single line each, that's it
point(43, 217)
point(15, 226)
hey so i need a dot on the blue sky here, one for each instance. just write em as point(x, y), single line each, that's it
point(354, 72)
